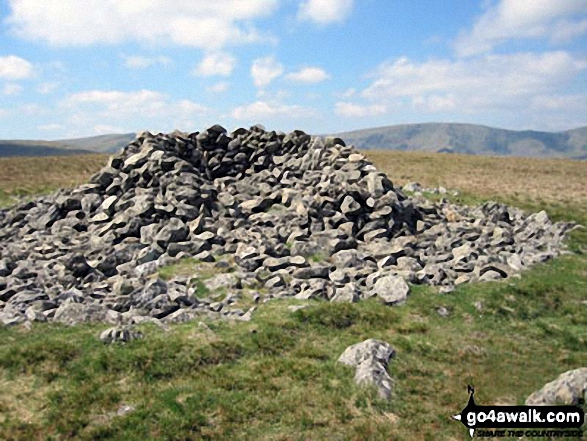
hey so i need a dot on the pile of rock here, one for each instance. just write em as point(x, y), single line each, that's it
point(301, 216)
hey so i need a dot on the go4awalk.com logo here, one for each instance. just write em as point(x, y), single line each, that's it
point(519, 421)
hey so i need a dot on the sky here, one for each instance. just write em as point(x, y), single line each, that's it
point(73, 68)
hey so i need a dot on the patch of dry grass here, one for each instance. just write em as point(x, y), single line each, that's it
point(28, 175)
point(23, 398)
point(559, 180)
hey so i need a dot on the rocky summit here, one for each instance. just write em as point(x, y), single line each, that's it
point(276, 215)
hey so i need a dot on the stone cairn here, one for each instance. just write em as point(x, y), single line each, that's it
point(291, 215)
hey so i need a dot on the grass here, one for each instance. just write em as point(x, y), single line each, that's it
point(276, 377)
point(23, 177)
point(552, 180)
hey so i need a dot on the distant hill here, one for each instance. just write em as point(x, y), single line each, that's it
point(428, 137)
point(471, 139)
point(102, 143)
point(37, 148)
point(93, 144)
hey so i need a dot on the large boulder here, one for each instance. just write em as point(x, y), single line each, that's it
point(370, 360)
point(569, 388)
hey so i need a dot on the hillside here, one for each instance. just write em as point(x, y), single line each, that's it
point(428, 137)
point(278, 373)
point(472, 139)
point(102, 143)
point(10, 148)
point(65, 147)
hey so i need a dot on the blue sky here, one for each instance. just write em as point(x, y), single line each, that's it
point(73, 68)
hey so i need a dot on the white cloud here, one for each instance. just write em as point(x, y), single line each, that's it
point(559, 111)
point(517, 19)
point(48, 87)
point(209, 24)
point(128, 111)
point(106, 128)
point(517, 90)
point(573, 102)
point(218, 63)
point(349, 93)
point(220, 87)
point(308, 75)
point(51, 127)
point(265, 70)
point(15, 68)
point(325, 11)
point(11, 89)
point(33, 110)
point(264, 109)
point(140, 62)
point(437, 103)
point(489, 80)
point(357, 110)
point(566, 30)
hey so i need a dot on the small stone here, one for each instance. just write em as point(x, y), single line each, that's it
point(125, 409)
point(442, 311)
point(119, 334)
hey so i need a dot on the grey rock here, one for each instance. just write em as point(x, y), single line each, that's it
point(570, 388)
point(442, 311)
point(75, 313)
point(124, 410)
point(349, 293)
point(350, 206)
point(11, 317)
point(119, 334)
point(312, 272)
point(222, 281)
point(370, 359)
point(391, 289)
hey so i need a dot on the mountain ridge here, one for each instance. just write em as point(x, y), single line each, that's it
point(471, 139)
point(110, 143)
point(424, 137)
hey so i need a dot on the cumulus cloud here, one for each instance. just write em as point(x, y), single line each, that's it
point(487, 80)
point(220, 87)
point(575, 102)
point(209, 24)
point(265, 70)
point(140, 62)
point(325, 11)
point(308, 75)
point(15, 68)
point(264, 109)
point(558, 20)
point(11, 89)
point(219, 63)
point(559, 111)
point(516, 90)
point(51, 127)
point(47, 87)
point(130, 110)
point(355, 110)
